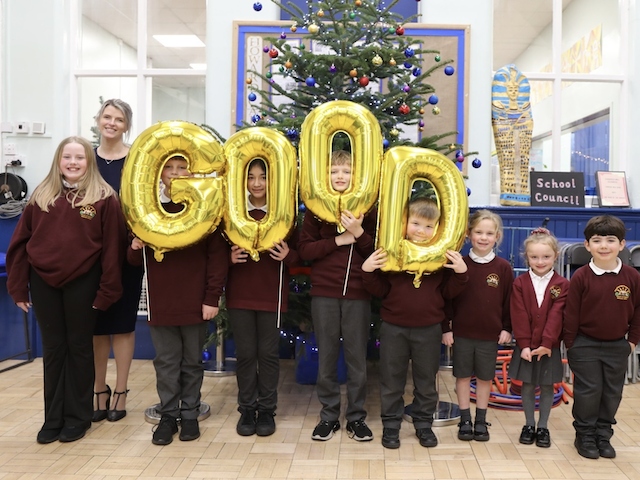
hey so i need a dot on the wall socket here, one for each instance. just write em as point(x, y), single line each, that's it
point(22, 127)
point(9, 149)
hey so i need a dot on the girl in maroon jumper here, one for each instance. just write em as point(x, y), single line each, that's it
point(67, 252)
point(480, 322)
point(537, 305)
point(256, 295)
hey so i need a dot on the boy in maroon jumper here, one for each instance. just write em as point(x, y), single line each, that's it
point(183, 294)
point(340, 307)
point(411, 328)
point(601, 329)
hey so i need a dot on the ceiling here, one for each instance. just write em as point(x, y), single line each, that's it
point(516, 24)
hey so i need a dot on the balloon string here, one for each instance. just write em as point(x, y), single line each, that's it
point(280, 293)
point(146, 281)
point(346, 278)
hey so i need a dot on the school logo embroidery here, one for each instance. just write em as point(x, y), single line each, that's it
point(555, 291)
point(622, 292)
point(493, 280)
point(88, 212)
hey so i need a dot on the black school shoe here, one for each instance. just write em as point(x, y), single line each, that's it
point(265, 424)
point(165, 430)
point(481, 432)
point(465, 430)
point(586, 446)
point(48, 435)
point(543, 438)
point(391, 437)
point(189, 429)
point(427, 437)
point(528, 435)
point(71, 434)
point(605, 448)
point(247, 424)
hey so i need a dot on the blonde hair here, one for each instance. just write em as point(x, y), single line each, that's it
point(124, 108)
point(340, 157)
point(91, 187)
point(480, 215)
point(543, 236)
point(424, 207)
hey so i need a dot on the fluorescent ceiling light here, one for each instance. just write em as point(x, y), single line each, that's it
point(198, 66)
point(175, 41)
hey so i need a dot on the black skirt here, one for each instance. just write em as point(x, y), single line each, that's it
point(121, 316)
point(545, 371)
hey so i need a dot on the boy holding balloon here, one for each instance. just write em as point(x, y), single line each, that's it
point(411, 327)
point(340, 306)
point(183, 293)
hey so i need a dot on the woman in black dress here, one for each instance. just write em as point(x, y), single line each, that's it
point(116, 327)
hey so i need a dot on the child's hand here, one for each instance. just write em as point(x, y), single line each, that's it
point(447, 339)
point(541, 352)
point(376, 260)
point(279, 251)
point(137, 244)
point(238, 254)
point(632, 346)
point(24, 306)
point(351, 223)
point(457, 263)
point(345, 238)
point(208, 312)
point(504, 338)
point(525, 354)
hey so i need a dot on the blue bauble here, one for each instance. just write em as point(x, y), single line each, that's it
point(255, 118)
point(257, 6)
point(385, 143)
point(292, 133)
point(417, 72)
point(206, 355)
point(408, 52)
point(408, 64)
point(476, 163)
point(449, 70)
point(433, 99)
point(468, 191)
point(302, 207)
point(252, 96)
point(310, 81)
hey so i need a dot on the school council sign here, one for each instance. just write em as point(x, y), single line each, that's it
point(557, 189)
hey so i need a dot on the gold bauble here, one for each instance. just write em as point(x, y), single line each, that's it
point(288, 64)
point(248, 80)
point(293, 27)
point(376, 61)
point(320, 13)
point(421, 111)
point(435, 110)
point(392, 62)
point(313, 28)
point(394, 132)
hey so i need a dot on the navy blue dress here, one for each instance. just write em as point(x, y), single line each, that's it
point(121, 316)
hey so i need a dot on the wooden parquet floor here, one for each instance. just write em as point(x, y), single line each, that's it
point(123, 450)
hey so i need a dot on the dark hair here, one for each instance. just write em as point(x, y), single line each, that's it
point(424, 207)
point(257, 162)
point(605, 225)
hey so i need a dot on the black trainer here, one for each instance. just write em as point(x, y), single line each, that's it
point(265, 425)
point(189, 429)
point(247, 424)
point(324, 430)
point(427, 437)
point(359, 431)
point(391, 437)
point(163, 432)
point(465, 430)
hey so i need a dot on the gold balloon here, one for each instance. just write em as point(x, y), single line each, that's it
point(280, 158)
point(203, 197)
point(316, 136)
point(401, 167)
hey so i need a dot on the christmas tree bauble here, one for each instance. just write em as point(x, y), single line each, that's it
point(404, 109)
point(363, 81)
point(273, 53)
point(449, 70)
point(392, 62)
point(400, 30)
point(313, 28)
point(435, 110)
point(252, 96)
point(476, 163)
point(376, 61)
point(257, 6)
point(433, 99)
point(310, 81)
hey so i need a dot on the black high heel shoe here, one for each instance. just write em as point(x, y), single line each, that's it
point(114, 415)
point(99, 415)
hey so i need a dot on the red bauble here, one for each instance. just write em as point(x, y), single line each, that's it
point(404, 109)
point(273, 53)
point(364, 81)
point(400, 31)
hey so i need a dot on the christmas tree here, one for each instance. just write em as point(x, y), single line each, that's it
point(361, 54)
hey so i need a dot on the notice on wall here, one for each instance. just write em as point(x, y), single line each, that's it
point(557, 189)
point(612, 189)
